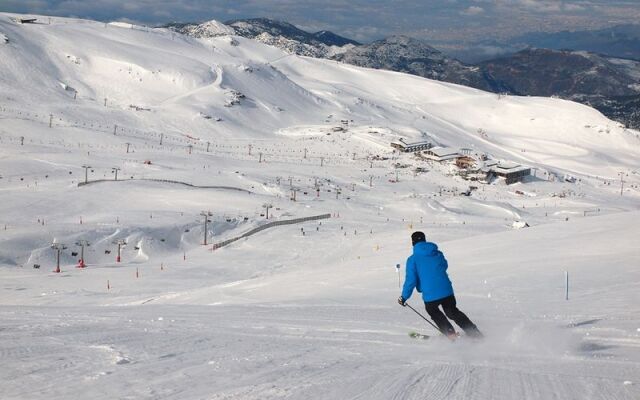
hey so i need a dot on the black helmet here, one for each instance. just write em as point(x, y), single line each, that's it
point(417, 237)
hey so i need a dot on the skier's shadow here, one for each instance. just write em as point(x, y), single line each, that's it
point(583, 323)
point(589, 347)
point(592, 347)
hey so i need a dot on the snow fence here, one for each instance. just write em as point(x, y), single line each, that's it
point(166, 181)
point(267, 226)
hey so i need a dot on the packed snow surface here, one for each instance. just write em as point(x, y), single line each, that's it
point(307, 310)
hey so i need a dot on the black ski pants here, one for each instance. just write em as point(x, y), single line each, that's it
point(451, 311)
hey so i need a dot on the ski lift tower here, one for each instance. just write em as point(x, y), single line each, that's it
point(82, 243)
point(58, 247)
point(267, 206)
point(206, 215)
point(121, 243)
point(86, 173)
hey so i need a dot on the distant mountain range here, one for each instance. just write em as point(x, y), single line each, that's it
point(610, 84)
point(405, 54)
point(621, 41)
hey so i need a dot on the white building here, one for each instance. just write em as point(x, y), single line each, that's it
point(442, 153)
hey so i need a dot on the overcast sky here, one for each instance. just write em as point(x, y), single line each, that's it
point(363, 20)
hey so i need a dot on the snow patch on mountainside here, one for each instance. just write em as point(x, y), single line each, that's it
point(209, 29)
point(292, 46)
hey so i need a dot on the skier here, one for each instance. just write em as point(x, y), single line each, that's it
point(426, 271)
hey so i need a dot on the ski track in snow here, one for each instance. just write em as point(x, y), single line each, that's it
point(269, 352)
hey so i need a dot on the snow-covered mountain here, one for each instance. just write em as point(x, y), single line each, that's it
point(285, 36)
point(405, 54)
point(147, 144)
point(252, 28)
point(241, 81)
point(605, 83)
point(207, 29)
point(609, 84)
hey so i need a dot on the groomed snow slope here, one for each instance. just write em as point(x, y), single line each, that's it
point(315, 326)
point(301, 311)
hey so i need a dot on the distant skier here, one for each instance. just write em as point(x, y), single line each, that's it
point(426, 271)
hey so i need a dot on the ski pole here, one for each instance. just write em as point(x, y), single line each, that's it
point(423, 317)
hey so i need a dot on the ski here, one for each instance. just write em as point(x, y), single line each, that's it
point(416, 335)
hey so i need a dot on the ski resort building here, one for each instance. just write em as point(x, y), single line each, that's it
point(410, 147)
point(510, 171)
point(25, 20)
point(441, 153)
point(466, 162)
point(485, 170)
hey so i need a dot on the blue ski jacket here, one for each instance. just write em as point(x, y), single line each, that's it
point(426, 271)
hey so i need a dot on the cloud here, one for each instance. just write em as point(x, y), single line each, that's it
point(532, 5)
point(363, 20)
point(574, 7)
point(473, 10)
point(364, 33)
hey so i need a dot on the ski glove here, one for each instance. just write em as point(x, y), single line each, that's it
point(401, 301)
